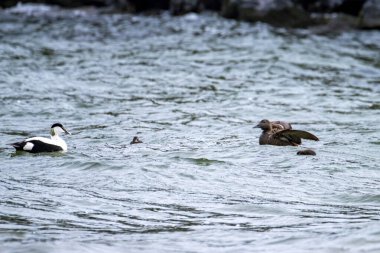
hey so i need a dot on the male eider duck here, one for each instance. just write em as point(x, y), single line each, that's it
point(280, 133)
point(41, 144)
point(136, 140)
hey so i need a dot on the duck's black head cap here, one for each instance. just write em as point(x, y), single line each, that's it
point(57, 125)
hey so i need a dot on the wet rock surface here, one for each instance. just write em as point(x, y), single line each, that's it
point(351, 7)
point(333, 14)
point(178, 7)
point(145, 5)
point(62, 3)
point(275, 12)
point(370, 15)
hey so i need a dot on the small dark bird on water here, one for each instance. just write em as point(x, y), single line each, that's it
point(136, 140)
point(280, 133)
point(306, 152)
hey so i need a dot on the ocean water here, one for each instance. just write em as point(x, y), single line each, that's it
point(192, 88)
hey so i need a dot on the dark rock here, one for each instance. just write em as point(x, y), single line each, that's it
point(146, 5)
point(274, 12)
point(335, 23)
point(63, 3)
point(7, 3)
point(132, 5)
point(370, 15)
point(316, 5)
point(306, 152)
point(351, 7)
point(68, 3)
point(230, 9)
point(179, 7)
point(214, 5)
point(324, 15)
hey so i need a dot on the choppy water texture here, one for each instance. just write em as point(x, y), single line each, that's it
point(192, 88)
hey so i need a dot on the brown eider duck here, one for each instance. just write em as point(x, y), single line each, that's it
point(280, 133)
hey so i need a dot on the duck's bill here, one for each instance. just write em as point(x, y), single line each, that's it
point(66, 132)
point(257, 126)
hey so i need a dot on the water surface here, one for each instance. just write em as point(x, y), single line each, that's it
point(191, 88)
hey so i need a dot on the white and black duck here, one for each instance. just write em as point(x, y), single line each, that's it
point(41, 144)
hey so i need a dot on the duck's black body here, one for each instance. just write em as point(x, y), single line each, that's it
point(280, 133)
point(38, 146)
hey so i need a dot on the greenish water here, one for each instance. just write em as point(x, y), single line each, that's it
point(191, 88)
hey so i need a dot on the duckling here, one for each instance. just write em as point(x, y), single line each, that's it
point(136, 140)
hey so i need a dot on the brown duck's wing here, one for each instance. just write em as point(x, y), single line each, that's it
point(270, 138)
point(281, 125)
point(296, 135)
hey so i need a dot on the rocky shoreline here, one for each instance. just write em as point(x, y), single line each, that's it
point(321, 14)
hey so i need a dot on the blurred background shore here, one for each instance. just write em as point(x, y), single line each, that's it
point(329, 14)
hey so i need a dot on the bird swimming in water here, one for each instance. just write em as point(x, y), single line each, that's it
point(280, 133)
point(136, 140)
point(306, 152)
point(41, 144)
